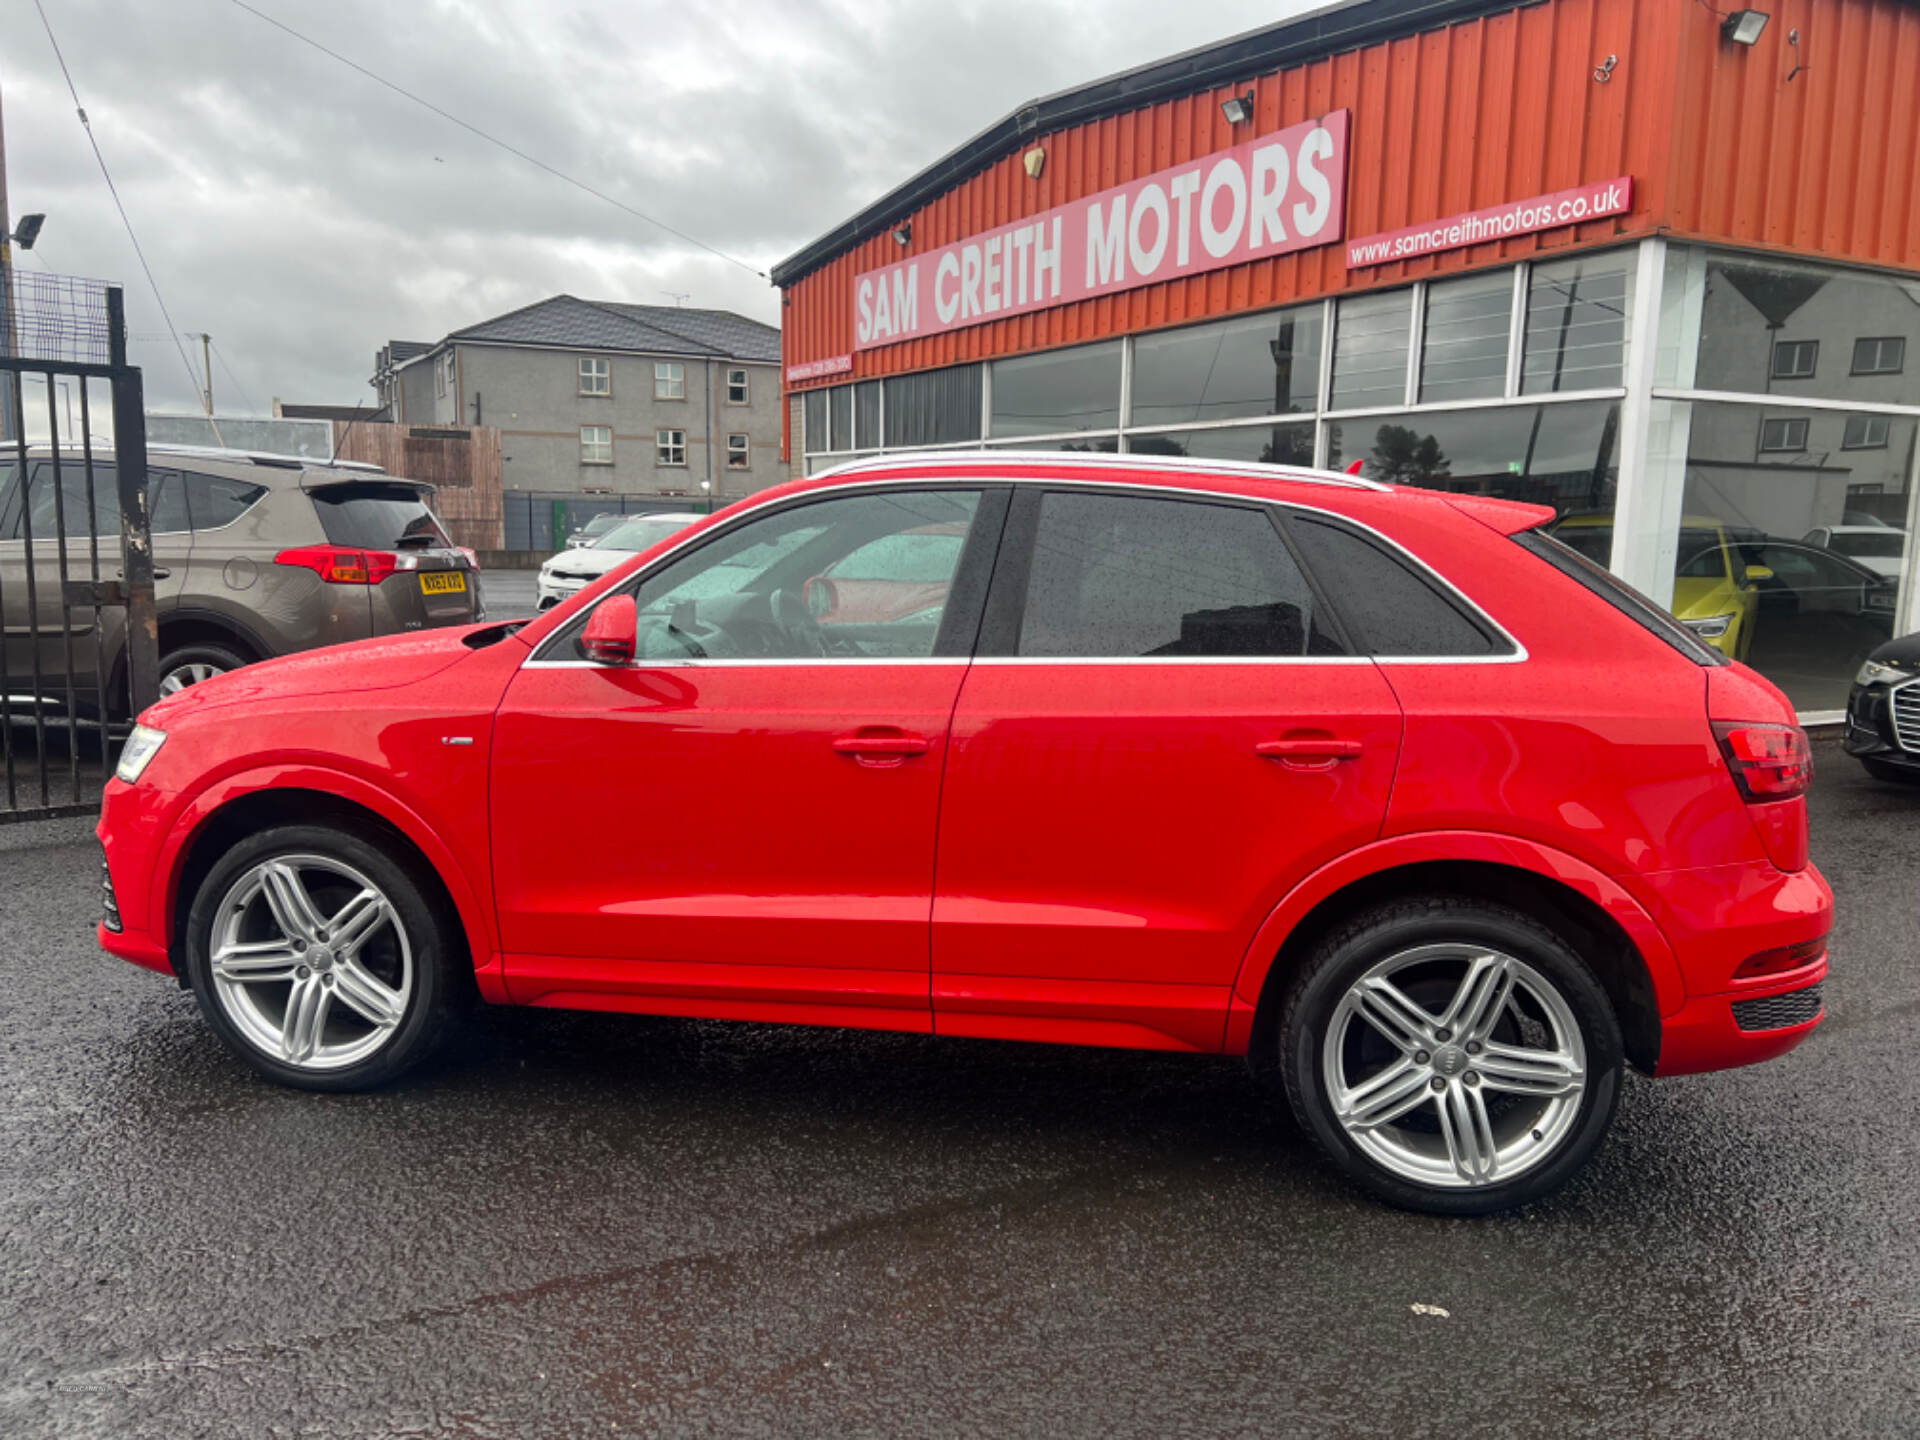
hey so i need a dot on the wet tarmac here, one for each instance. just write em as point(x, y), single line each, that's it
point(592, 1225)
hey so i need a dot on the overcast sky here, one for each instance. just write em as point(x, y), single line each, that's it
point(303, 215)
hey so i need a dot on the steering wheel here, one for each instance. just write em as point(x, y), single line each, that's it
point(796, 622)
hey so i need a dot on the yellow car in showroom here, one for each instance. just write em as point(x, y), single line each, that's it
point(1715, 591)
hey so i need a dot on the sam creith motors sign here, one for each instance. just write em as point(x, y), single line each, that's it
point(1282, 192)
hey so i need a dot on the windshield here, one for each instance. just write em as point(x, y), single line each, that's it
point(637, 535)
point(600, 524)
point(377, 517)
point(1877, 545)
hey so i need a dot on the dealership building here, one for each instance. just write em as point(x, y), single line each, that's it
point(1652, 263)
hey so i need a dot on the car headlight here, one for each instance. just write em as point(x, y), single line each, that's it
point(142, 745)
point(1710, 628)
point(1876, 673)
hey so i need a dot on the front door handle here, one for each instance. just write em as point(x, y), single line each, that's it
point(1308, 748)
point(882, 743)
point(160, 572)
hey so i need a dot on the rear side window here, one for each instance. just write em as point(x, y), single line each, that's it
point(379, 517)
point(1393, 608)
point(1123, 577)
point(167, 502)
point(217, 500)
point(1622, 596)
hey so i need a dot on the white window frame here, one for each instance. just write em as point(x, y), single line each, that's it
point(669, 380)
point(745, 385)
point(591, 445)
point(592, 369)
point(740, 456)
point(1788, 422)
point(669, 441)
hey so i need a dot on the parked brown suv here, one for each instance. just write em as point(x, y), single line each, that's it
point(253, 556)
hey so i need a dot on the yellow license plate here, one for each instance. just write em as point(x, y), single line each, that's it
point(443, 582)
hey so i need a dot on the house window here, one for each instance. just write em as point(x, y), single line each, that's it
point(1788, 436)
point(670, 445)
point(1865, 432)
point(1886, 355)
point(596, 375)
point(739, 452)
point(596, 444)
point(669, 381)
point(736, 387)
point(443, 373)
point(1794, 359)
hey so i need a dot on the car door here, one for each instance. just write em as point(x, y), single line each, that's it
point(1163, 731)
point(742, 822)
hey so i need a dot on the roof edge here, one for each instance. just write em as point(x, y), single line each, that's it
point(1330, 30)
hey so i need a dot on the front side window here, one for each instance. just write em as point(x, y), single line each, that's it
point(1122, 577)
point(1795, 359)
point(736, 387)
point(1885, 355)
point(596, 444)
point(739, 452)
point(669, 380)
point(670, 447)
point(48, 505)
point(596, 375)
point(1788, 436)
point(853, 577)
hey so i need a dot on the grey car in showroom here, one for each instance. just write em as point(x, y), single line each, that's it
point(253, 556)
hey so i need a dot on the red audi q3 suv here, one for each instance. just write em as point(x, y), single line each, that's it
point(1387, 790)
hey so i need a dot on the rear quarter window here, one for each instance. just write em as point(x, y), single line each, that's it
point(378, 517)
point(1621, 596)
point(1392, 607)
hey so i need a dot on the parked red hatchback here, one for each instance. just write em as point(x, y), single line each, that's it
point(1385, 789)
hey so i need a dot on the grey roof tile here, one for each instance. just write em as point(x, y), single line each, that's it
point(607, 325)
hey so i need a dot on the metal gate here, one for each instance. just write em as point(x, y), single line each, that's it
point(78, 633)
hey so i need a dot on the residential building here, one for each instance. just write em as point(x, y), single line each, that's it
point(602, 405)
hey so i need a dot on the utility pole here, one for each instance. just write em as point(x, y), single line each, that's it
point(206, 369)
point(8, 334)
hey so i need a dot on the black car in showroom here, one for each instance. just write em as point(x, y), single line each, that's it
point(1883, 712)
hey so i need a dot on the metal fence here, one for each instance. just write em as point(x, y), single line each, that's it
point(543, 522)
point(78, 633)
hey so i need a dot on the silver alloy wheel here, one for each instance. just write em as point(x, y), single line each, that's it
point(310, 989)
point(1477, 1081)
point(192, 673)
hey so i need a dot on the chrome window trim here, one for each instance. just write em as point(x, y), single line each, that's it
point(1519, 654)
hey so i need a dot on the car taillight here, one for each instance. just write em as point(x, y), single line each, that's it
point(338, 565)
point(473, 556)
point(1768, 762)
point(1781, 960)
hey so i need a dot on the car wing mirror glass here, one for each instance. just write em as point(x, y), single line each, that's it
point(1758, 572)
point(611, 631)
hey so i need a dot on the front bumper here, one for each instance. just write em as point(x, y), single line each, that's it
point(552, 591)
point(1871, 732)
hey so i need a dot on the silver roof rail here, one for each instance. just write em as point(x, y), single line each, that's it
point(1169, 464)
point(269, 458)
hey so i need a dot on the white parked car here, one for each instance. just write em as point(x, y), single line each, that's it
point(1878, 547)
point(574, 569)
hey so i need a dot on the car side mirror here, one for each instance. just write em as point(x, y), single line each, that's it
point(1759, 572)
point(821, 595)
point(612, 631)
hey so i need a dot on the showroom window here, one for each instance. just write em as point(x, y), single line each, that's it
point(866, 415)
point(1258, 365)
point(1884, 355)
point(1576, 326)
point(1261, 444)
point(1467, 329)
point(934, 407)
point(813, 421)
point(1783, 435)
point(1371, 337)
point(1795, 359)
point(840, 418)
point(1056, 392)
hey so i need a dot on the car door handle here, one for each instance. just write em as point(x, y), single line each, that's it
point(160, 572)
point(1305, 748)
point(891, 742)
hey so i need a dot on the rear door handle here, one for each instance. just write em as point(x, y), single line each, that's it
point(160, 572)
point(1326, 748)
point(887, 743)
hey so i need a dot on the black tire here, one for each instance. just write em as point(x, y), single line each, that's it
point(1892, 774)
point(442, 982)
point(1346, 955)
point(219, 657)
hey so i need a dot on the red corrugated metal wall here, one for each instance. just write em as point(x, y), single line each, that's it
point(1718, 142)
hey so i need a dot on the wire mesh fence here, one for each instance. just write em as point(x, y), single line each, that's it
point(61, 319)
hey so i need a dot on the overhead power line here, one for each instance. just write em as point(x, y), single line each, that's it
point(227, 370)
point(515, 150)
point(113, 190)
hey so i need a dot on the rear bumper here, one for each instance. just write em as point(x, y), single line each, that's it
point(1715, 918)
point(136, 946)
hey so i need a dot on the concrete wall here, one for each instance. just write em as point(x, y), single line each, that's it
point(534, 397)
